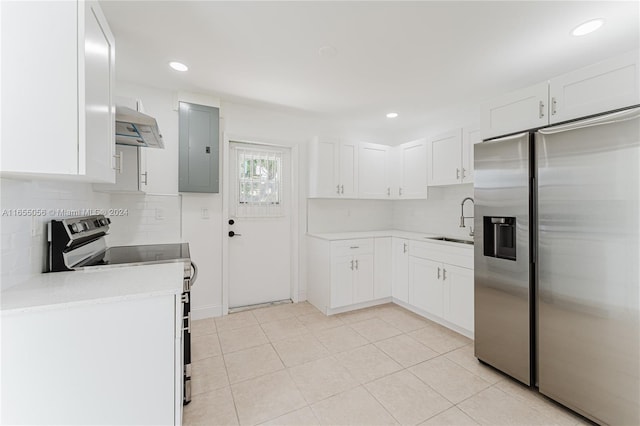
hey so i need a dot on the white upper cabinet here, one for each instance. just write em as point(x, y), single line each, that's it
point(374, 171)
point(131, 174)
point(607, 85)
point(333, 169)
point(445, 156)
point(521, 110)
point(410, 180)
point(58, 117)
point(348, 178)
point(601, 87)
point(470, 137)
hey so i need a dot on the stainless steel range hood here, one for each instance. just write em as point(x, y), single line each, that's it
point(137, 129)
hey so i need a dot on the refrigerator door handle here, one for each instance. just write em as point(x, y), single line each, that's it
point(507, 138)
point(614, 117)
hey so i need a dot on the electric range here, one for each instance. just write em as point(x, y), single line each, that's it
point(78, 243)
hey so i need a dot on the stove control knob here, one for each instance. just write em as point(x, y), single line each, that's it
point(74, 228)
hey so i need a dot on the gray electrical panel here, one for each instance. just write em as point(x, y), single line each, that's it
point(199, 163)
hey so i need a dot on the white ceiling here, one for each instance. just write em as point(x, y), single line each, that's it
point(416, 58)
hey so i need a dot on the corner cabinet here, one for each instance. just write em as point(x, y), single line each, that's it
point(333, 169)
point(400, 268)
point(374, 164)
point(60, 124)
point(411, 171)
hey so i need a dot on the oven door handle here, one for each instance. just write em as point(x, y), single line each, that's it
point(194, 276)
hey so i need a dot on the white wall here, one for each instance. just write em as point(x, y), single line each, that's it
point(148, 219)
point(23, 248)
point(205, 232)
point(327, 215)
point(439, 214)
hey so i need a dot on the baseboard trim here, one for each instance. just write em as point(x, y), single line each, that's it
point(435, 318)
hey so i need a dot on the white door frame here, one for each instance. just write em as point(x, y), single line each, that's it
point(294, 212)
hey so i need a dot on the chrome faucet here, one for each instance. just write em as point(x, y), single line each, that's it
point(463, 217)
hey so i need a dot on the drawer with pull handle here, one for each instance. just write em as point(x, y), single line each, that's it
point(347, 247)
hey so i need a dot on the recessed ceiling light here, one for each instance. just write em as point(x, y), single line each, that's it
point(178, 66)
point(587, 27)
point(327, 51)
point(392, 115)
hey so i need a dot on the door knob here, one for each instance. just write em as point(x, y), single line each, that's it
point(231, 222)
point(233, 234)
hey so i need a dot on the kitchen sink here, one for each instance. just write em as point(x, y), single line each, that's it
point(451, 240)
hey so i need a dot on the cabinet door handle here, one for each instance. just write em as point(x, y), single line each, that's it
point(388, 192)
point(541, 111)
point(444, 274)
point(354, 247)
point(457, 173)
point(554, 104)
point(356, 264)
point(400, 191)
point(404, 248)
point(438, 272)
point(463, 175)
point(337, 189)
point(146, 178)
point(352, 265)
point(119, 161)
point(342, 189)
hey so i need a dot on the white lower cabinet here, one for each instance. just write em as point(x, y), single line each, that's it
point(400, 269)
point(433, 279)
point(441, 283)
point(345, 273)
point(458, 296)
point(382, 266)
point(426, 289)
point(351, 279)
point(115, 363)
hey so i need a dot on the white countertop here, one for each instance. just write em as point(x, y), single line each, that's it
point(55, 290)
point(335, 236)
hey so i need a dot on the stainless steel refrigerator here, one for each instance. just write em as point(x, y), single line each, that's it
point(557, 254)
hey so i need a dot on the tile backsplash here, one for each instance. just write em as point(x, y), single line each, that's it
point(145, 219)
point(27, 207)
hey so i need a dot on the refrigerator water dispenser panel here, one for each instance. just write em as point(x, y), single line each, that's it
point(500, 237)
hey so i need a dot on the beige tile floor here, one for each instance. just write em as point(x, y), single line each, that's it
point(291, 365)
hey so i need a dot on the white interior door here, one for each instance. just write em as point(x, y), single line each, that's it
point(260, 234)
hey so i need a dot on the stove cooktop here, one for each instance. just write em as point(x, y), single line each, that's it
point(133, 255)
